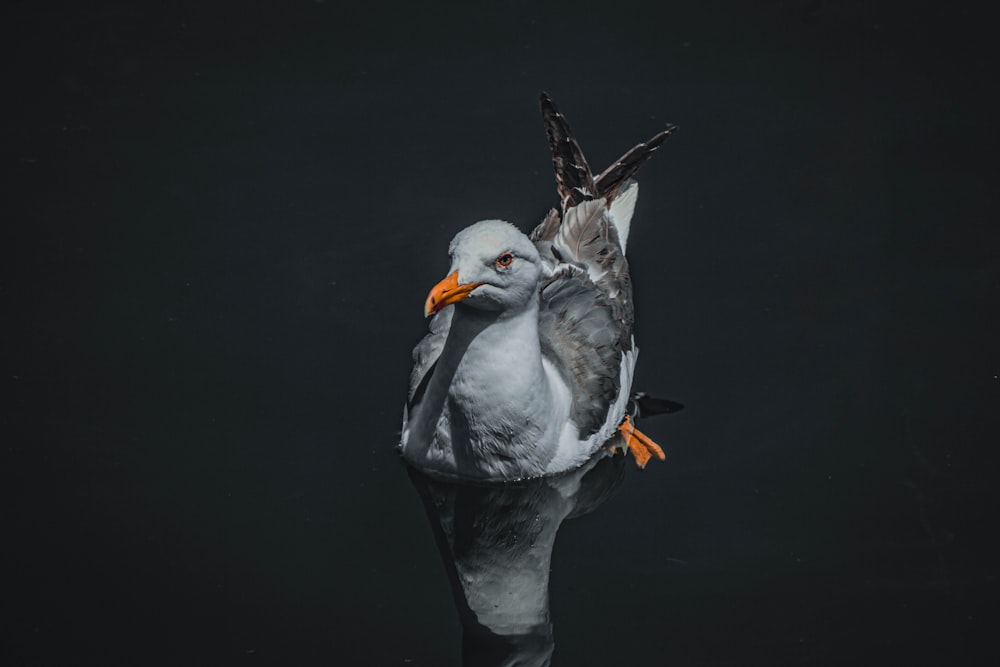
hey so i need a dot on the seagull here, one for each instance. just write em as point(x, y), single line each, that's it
point(527, 367)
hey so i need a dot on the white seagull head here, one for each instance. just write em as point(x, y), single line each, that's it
point(494, 267)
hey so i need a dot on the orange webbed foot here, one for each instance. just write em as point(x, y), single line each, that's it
point(642, 448)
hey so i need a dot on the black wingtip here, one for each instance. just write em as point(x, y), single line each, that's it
point(546, 105)
point(643, 405)
point(625, 167)
point(574, 180)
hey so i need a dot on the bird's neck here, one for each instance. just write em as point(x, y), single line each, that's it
point(502, 355)
point(500, 392)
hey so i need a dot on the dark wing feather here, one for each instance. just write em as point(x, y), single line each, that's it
point(624, 168)
point(642, 404)
point(575, 182)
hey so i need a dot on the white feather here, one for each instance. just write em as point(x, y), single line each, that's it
point(622, 209)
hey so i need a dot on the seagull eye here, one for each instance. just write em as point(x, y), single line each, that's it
point(504, 260)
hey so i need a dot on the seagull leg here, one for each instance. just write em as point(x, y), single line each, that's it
point(616, 444)
point(639, 444)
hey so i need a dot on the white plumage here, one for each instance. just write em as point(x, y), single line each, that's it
point(528, 365)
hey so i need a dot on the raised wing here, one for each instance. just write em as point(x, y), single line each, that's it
point(573, 176)
point(612, 178)
point(574, 179)
point(586, 311)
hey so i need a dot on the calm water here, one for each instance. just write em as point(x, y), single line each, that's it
point(223, 227)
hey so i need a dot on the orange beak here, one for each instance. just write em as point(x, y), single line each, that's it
point(447, 292)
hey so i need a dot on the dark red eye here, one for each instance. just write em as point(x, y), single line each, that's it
point(504, 260)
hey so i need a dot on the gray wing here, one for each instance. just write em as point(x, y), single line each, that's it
point(581, 333)
point(586, 311)
point(588, 239)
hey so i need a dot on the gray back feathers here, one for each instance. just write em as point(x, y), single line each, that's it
point(585, 304)
point(586, 311)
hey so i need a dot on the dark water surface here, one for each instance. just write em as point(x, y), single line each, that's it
point(222, 221)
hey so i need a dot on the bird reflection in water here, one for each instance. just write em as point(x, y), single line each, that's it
point(527, 366)
point(496, 541)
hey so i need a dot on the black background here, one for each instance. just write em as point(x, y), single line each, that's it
point(223, 218)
